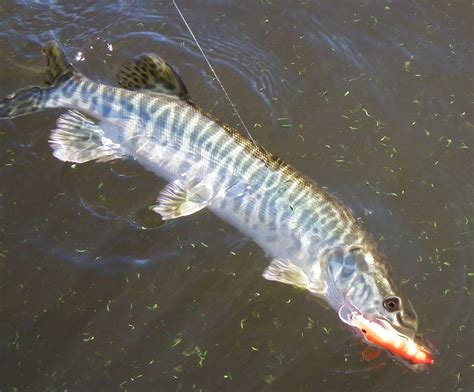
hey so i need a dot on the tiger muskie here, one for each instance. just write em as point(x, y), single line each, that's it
point(314, 242)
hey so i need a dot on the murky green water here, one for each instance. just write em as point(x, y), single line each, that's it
point(373, 99)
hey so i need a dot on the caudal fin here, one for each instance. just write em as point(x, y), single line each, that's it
point(33, 99)
point(58, 68)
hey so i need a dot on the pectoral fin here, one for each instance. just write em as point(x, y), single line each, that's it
point(178, 199)
point(286, 272)
point(150, 72)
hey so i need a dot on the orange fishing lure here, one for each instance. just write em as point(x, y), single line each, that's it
point(392, 341)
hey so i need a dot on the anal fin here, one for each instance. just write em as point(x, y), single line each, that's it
point(78, 139)
point(178, 199)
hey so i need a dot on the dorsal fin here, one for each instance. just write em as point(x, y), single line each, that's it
point(150, 72)
point(57, 64)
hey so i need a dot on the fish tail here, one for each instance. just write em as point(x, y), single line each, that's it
point(33, 99)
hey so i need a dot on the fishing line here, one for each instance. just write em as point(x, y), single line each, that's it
point(214, 73)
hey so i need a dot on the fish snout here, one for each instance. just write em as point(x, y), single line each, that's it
point(406, 324)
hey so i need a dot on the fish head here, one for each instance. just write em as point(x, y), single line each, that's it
point(357, 279)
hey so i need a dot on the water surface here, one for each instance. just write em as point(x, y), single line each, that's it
point(371, 99)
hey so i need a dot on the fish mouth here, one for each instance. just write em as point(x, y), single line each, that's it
point(414, 352)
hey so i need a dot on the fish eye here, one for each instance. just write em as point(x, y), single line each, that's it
point(392, 304)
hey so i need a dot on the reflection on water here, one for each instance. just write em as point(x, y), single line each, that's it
point(368, 98)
